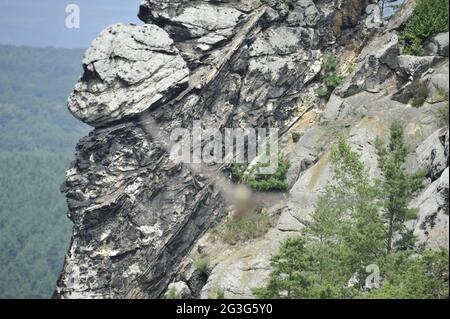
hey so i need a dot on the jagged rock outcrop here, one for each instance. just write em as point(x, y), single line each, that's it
point(432, 154)
point(128, 69)
point(139, 217)
point(433, 204)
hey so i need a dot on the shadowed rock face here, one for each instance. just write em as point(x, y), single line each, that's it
point(138, 215)
point(132, 209)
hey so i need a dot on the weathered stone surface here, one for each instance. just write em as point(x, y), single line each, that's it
point(196, 18)
point(129, 203)
point(376, 64)
point(438, 83)
point(412, 66)
point(197, 27)
point(433, 203)
point(305, 154)
point(432, 154)
point(432, 226)
point(304, 14)
point(374, 19)
point(351, 12)
point(123, 182)
point(403, 94)
point(437, 45)
point(127, 69)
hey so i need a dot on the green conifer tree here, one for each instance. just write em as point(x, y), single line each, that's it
point(397, 187)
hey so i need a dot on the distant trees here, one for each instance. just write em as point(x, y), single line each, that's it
point(248, 175)
point(411, 275)
point(38, 136)
point(353, 226)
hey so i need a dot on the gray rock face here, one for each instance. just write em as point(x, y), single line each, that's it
point(413, 66)
point(376, 64)
point(374, 19)
point(432, 226)
point(127, 69)
point(238, 268)
point(138, 216)
point(305, 14)
point(196, 26)
point(432, 154)
point(438, 45)
point(438, 83)
point(131, 208)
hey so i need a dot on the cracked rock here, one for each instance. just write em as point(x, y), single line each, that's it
point(128, 68)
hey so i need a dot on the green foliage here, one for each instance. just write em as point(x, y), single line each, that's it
point(347, 233)
point(429, 17)
point(323, 92)
point(201, 263)
point(173, 294)
point(249, 227)
point(420, 92)
point(344, 236)
point(263, 182)
point(330, 76)
point(397, 187)
point(37, 142)
point(294, 275)
point(346, 229)
point(220, 294)
point(442, 115)
point(408, 275)
point(290, 277)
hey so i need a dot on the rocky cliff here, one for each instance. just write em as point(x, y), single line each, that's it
point(139, 218)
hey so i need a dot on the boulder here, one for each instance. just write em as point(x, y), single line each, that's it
point(305, 13)
point(438, 84)
point(412, 67)
point(128, 69)
point(378, 62)
point(437, 45)
point(196, 26)
point(374, 19)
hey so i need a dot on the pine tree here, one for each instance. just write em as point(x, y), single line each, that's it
point(346, 229)
point(290, 277)
point(408, 275)
point(397, 187)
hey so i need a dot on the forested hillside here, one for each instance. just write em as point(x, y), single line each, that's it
point(38, 136)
